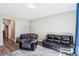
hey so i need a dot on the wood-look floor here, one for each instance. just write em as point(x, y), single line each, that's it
point(8, 47)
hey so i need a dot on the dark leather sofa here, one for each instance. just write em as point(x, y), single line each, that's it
point(55, 42)
point(62, 39)
point(28, 41)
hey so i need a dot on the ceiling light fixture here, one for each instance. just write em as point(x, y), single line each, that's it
point(30, 5)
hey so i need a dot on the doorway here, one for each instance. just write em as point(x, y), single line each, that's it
point(9, 29)
point(9, 42)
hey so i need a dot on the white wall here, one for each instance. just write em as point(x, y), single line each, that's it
point(1, 31)
point(21, 26)
point(63, 23)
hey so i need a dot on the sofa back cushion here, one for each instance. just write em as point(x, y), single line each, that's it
point(58, 37)
point(67, 39)
point(50, 36)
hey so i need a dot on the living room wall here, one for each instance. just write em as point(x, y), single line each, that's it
point(1, 31)
point(63, 23)
point(21, 27)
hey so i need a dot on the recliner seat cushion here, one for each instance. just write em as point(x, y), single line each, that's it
point(50, 40)
point(65, 42)
point(57, 41)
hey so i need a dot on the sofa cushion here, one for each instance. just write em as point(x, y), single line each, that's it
point(26, 45)
point(65, 42)
point(56, 41)
point(65, 37)
point(50, 40)
point(57, 37)
point(50, 36)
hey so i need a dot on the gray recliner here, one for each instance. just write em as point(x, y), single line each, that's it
point(28, 41)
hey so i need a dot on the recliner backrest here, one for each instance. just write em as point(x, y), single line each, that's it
point(58, 37)
point(31, 36)
point(22, 36)
point(50, 36)
point(67, 39)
